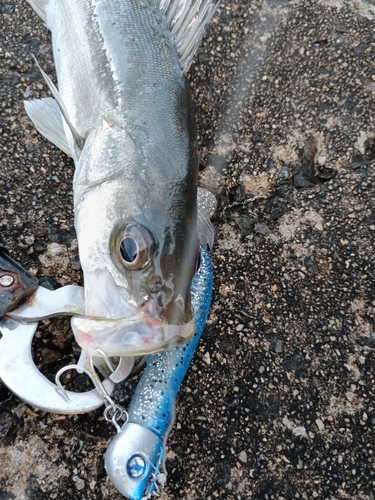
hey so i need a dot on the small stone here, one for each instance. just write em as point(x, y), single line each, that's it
point(279, 347)
point(319, 424)
point(322, 160)
point(243, 457)
point(80, 483)
point(239, 328)
point(283, 175)
point(207, 358)
point(300, 431)
point(262, 229)
point(54, 249)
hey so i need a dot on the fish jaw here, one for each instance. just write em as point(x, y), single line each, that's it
point(116, 325)
point(136, 336)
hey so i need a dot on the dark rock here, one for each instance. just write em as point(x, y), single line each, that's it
point(276, 343)
point(370, 220)
point(238, 193)
point(276, 208)
point(256, 138)
point(245, 223)
point(256, 407)
point(31, 42)
point(11, 79)
point(33, 490)
point(34, 74)
point(7, 8)
point(221, 474)
point(283, 175)
point(325, 107)
point(29, 149)
point(49, 282)
point(361, 47)
point(6, 495)
point(300, 181)
point(263, 489)
point(366, 342)
point(326, 174)
point(310, 265)
point(262, 229)
point(228, 346)
point(349, 103)
point(358, 161)
point(342, 28)
point(40, 249)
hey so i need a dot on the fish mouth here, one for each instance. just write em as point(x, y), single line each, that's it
point(137, 336)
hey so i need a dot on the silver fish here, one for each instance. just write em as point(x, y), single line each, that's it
point(122, 111)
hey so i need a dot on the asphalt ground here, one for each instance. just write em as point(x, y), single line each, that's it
point(279, 400)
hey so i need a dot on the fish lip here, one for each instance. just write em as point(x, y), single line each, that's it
point(134, 336)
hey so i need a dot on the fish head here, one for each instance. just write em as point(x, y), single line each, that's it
point(158, 263)
point(137, 275)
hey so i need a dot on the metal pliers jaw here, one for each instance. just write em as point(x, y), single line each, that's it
point(22, 305)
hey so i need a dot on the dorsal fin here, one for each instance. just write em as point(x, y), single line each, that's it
point(188, 20)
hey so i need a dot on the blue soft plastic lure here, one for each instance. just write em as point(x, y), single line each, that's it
point(134, 457)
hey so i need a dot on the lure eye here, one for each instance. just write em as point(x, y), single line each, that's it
point(133, 245)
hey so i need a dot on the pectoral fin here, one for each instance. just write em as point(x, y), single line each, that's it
point(48, 120)
point(78, 139)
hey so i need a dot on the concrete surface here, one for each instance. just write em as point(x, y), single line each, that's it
point(279, 400)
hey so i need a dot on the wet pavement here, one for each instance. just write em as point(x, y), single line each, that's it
point(279, 400)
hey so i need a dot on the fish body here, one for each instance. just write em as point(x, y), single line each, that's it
point(129, 127)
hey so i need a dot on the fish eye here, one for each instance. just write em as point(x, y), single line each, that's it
point(132, 244)
point(129, 250)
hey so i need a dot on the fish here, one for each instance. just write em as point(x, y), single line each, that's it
point(122, 110)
